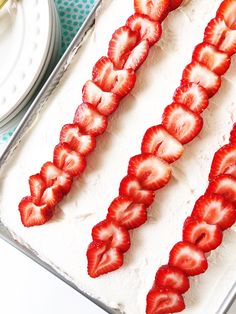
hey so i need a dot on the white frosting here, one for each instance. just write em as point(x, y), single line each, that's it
point(63, 241)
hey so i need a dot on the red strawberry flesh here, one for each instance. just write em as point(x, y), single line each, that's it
point(164, 301)
point(172, 278)
point(187, 257)
point(156, 10)
point(181, 122)
point(215, 210)
point(102, 260)
point(33, 215)
point(130, 187)
point(37, 187)
point(128, 214)
point(224, 185)
point(224, 161)
point(113, 234)
point(152, 172)
point(227, 9)
point(232, 138)
point(198, 73)
point(162, 144)
point(205, 236)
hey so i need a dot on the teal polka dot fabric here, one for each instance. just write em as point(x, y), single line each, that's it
point(72, 14)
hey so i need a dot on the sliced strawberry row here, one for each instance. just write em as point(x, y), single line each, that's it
point(181, 123)
point(213, 213)
point(113, 77)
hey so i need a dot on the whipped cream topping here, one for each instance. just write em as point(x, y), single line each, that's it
point(63, 241)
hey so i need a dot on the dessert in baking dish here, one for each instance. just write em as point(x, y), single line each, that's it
point(63, 241)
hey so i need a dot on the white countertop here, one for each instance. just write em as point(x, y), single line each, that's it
point(27, 288)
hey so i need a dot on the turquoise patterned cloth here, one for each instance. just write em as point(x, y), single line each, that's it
point(72, 13)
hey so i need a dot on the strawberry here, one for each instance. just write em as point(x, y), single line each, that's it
point(146, 28)
point(189, 258)
point(161, 143)
point(102, 260)
point(219, 35)
point(123, 41)
point(119, 82)
point(174, 4)
point(52, 196)
point(137, 56)
point(181, 122)
point(33, 215)
point(156, 10)
point(172, 278)
point(227, 9)
point(225, 185)
point(37, 187)
point(113, 234)
point(215, 210)
point(192, 96)
point(198, 73)
point(89, 120)
point(68, 160)
point(82, 144)
point(53, 176)
point(232, 138)
point(152, 172)
point(224, 161)
point(128, 214)
point(205, 236)
point(215, 60)
point(131, 188)
point(164, 301)
point(105, 102)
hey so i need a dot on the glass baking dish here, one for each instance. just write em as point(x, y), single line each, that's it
point(30, 117)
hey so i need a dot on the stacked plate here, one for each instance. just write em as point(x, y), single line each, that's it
point(29, 46)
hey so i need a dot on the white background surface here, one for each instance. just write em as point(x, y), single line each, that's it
point(27, 288)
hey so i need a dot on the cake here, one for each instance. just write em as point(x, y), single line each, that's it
point(63, 241)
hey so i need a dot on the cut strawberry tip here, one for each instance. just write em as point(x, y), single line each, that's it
point(156, 10)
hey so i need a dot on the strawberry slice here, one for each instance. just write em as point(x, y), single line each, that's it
point(119, 82)
point(128, 214)
point(68, 160)
point(227, 9)
point(102, 260)
point(131, 188)
point(224, 161)
point(37, 187)
point(113, 234)
point(192, 96)
point(215, 60)
point(164, 301)
point(53, 176)
point(205, 236)
point(225, 185)
point(159, 142)
point(189, 258)
point(51, 196)
point(123, 41)
point(174, 4)
point(156, 10)
point(82, 144)
point(89, 120)
point(219, 35)
point(232, 138)
point(215, 210)
point(198, 73)
point(181, 122)
point(146, 28)
point(33, 215)
point(152, 172)
point(172, 277)
point(105, 102)
point(137, 56)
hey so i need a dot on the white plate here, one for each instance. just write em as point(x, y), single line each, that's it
point(25, 37)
